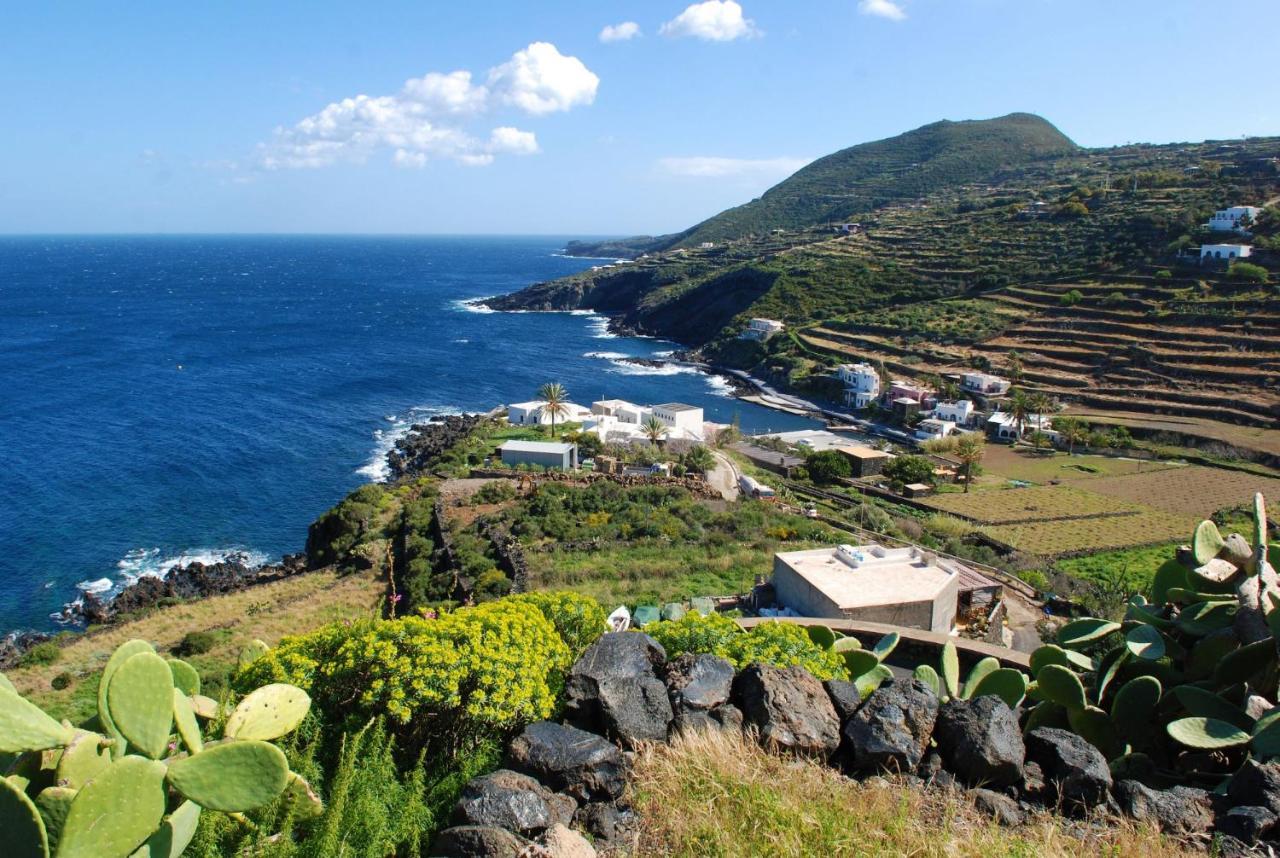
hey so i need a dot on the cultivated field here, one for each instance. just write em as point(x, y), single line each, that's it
point(1085, 535)
point(1193, 490)
point(1034, 467)
point(1037, 503)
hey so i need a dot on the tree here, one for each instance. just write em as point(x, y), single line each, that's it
point(699, 458)
point(555, 397)
point(1042, 404)
point(1039, 440)
point(1073, 430)
point(828, 466)
point(1019, 410)
point(1247, 272)
point(1015, 367)
point(909, 469)
point(969, 450)
point(654, 429)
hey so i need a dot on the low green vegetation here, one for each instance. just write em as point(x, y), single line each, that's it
point(777, 644)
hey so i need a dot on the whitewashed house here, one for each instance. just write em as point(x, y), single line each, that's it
point(685, 420)
point(985, 383)
point(761, 329)
point(1002, 427)
point(958, 413)
point(1227, 220)
point(620, 410)
point(540, 454)
point(1216, 252)
point(535, 413)
point(861, 383)
point(933, 428)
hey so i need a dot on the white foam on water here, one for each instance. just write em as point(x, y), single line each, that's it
point(599, 326)
point(605, 355)
point(720, 386)
point(472, 305)
point(376, 469)
point(101, 585)
point(623, 367)
point(664, 354)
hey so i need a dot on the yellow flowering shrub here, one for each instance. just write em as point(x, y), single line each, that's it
point(777, 644)
point(497, 665)
point(579, 619)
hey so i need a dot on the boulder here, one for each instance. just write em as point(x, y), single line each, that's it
point(998, 806)
point(477, 841)
point(562, 806)
point(934, 773)
point(563, 842)
point(1180, 810)
point(699, 682)
point(1256, 784)
point(892, 729)
point(844, 697)
point(980, 741)
point(1248, 823)
point(614, 689)
point(729, 717)
point(789, 708)
point(613, 828)
point(505, 799)
point(569, 760)
point(1076, 771)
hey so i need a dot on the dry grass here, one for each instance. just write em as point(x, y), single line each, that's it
point(268, 612)
point(717, 795)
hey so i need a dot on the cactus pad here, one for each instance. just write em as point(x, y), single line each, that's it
point(23, 827)
point(868, 682)
point(1048, 654)
point(1060, 685)
point(115, 812)
point(253, 651)
point(185, 677)
point(857, 662)
point(1206, 542)
point(173, 835)
point(140, 698)
point(268, 712)
point(6, 684)
point(25, 727)
point(82, 761)
point(929, 677)
point(1134, 707)
point(847, 643)
point(232, 777)
point(1171, 574)
point(1145, 642)
point(1095, 727)
point(185, 718)
point(303, 797)
point(1245, 663)
point(822, 636)
point(981, 669)
point(1206, 733)
point(1006, 683)
point(885, 645)
point(123, 652)
point(1047, 714)
point(1085, 631)
point(54, 804)
point(204, 707)
point(950, 670)
point(1205, 704)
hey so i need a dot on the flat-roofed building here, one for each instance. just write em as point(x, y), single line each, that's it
point(687, 419)
point(541, 454)
point(908, 587)
point(865, 461)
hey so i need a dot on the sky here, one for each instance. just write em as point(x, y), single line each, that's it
point(565, 118)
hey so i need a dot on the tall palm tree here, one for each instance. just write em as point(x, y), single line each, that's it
point(1073, 430)
point(554, 394)
point(1019, 410)
point(969, 450)
point(654, 429)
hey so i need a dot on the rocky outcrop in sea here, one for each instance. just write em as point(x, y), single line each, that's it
point(416, 453)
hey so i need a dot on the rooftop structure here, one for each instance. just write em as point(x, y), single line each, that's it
point(932, 428)
point(861, 383)
point(535, 413)
point(900, 586)
point(770, 460)
point(1002, 427)
point(985, 383)
point(812, 439)
point(865, 461)
point(960, 412)
point(899, 389)
point(541, 454)
point(761, 329)
point(1229, 219)
point(1224, 252)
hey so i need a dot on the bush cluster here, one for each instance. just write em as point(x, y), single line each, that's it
point(578, 619)
point(777, 644)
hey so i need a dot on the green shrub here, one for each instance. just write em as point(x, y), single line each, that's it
point(335, 536)
point(1247, 272)
point(43, 653)
point(828, 466)
point(1070, 298)
point(491, 667)
point(495, 491)
point(578, 619)
point(61, 681)
point(196, 643)
point(1164, 274)
point(909, 469)
point(777, 644)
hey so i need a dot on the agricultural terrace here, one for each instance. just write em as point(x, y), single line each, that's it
point(1185, 490)
point(1020, 463)
point(1032, 504)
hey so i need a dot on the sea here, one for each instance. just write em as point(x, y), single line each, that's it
point(170, 399)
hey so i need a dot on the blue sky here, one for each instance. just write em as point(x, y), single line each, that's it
point(248, 117)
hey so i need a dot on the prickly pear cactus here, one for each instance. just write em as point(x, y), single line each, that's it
point(21, 824)
point(268, 713)
point(185, 677)
point(115, 812)
point(25, 727)
point(173, 835)
point(184, 717)
point(120, 656)
point(54, 803)
point(233, 776)
point(140, 697)
point(82, 760)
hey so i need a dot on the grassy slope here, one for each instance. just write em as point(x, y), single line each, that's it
point(721, 796)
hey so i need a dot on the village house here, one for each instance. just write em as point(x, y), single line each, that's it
point(861, 383)
point(848, 228)
point(959, 413)
point(1002, 426)
point(899, 389)
point(619, 409)
point(865, 461)
point(616, 420)
point(904, 409)
point(540, 454)
point(761, 329)
point(685, 420)
point(933, 428)
point(985, 383)
point(1227, 220)
point(535, 413)
point(770, 460)
point(1224, 252)
point(900, 586)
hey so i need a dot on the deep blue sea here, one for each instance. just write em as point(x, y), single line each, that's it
point(175, 398)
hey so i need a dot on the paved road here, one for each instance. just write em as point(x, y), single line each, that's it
point(724, 477)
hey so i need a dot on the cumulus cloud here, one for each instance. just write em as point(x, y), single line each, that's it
point(623, 32)
point(712, 21)
point(710, 167)
point(891, 9)
point(427, 119)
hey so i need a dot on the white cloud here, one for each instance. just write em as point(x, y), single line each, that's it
point(541, 80)
point(891, 9)
point(710, 167)
point(712, 21)
point(427, 119)
point(623, 32)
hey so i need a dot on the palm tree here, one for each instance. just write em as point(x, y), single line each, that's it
point(969, 450)
point(654, 429)
point(554, 394)
point(1019, 410)
point(1015, 367)
point(1039, 440)
point(1042, 404)
point(1073, 430)
point(700, 459)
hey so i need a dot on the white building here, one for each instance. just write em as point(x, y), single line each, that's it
point(985, 383)
point(761, 329)
point(686, 420)
point(959, 413)
point(900, 586)
point(861, 383)
point(1226, 220)
point(542, 454)
point(535, 413)
point(1002, 427)
point(616, 420)
point(932, 428)
point(620, 410)
point(1216, 252)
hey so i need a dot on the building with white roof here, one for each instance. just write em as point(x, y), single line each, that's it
point(619, 421)
point(1226, 220)
point(985, 383)
point(861, 383)
point(1224, 252)
point(933, 428)
point(535, 413)
point(959, 413)
point(900, 586)
point(1002, 427)
point(540, 454)
point(761, 329)
point(685, 419)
